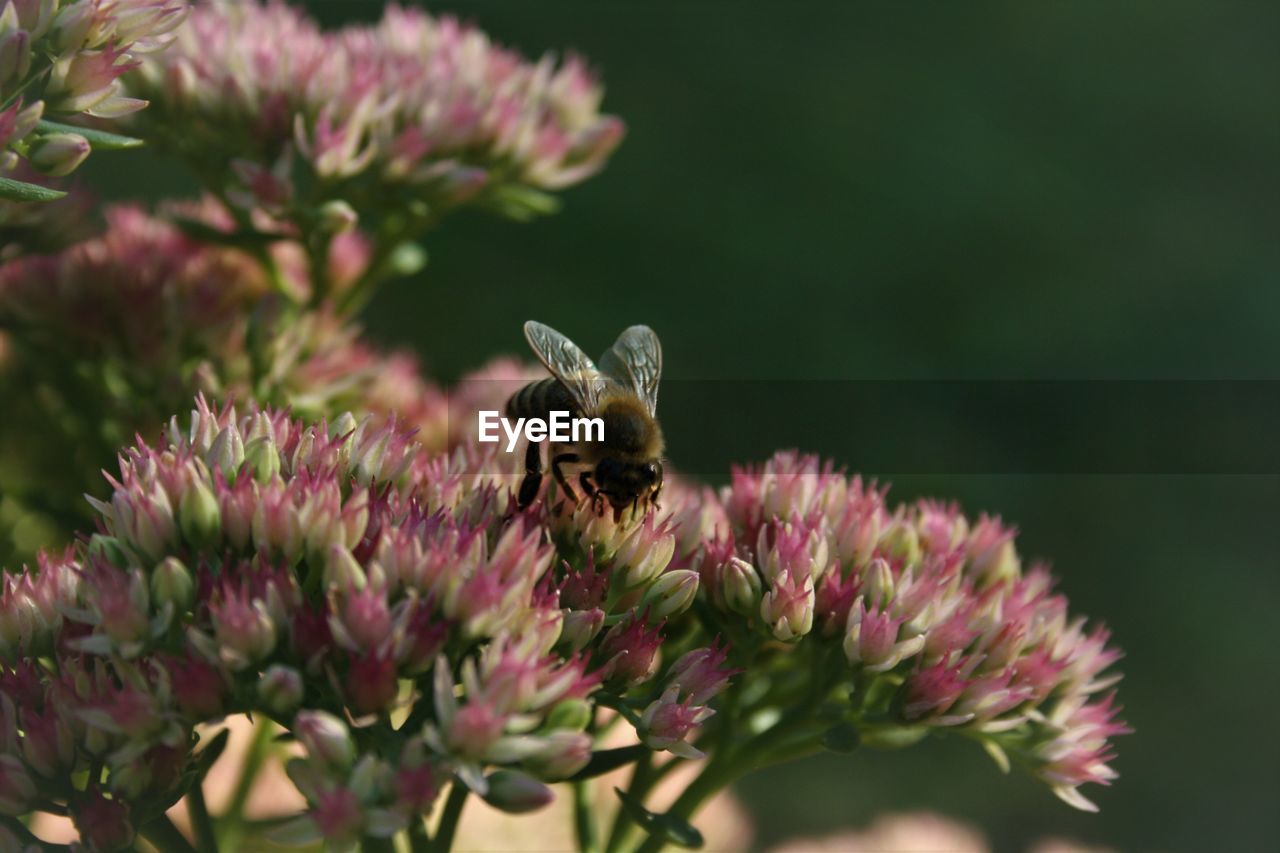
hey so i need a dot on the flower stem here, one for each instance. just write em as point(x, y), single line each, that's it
point(638, 787)
point(164, 835)
point(449, 819)
point(584, 823)
point(419, 841)
point(201, 823)
point(232, 820)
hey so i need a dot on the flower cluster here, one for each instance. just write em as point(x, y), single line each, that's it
point(62, 58)
point(333, 578)
point(426, 113)
point(935, 618)
point(119, 330)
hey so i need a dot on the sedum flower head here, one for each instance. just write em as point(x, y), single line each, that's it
point(115, 332)
point(65, 58)
point(936, 620)
point(413, 108)
point(331, 576)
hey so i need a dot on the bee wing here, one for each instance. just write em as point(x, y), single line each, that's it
point(567, 363)
point(635, 362)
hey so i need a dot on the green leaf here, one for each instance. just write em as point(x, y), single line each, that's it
point(842, 738)
point(11, 190)
point(667, 827)
point(210, 753)
point(99, 139)
point(604, 760)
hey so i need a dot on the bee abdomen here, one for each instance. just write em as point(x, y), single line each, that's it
point(539, 399)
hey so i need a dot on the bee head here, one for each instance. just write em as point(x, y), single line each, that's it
point(622, 482)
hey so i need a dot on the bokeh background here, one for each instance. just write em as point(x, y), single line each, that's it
point(815, 199)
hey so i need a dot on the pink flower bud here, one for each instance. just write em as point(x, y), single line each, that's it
point(415, 788)
point(103, 823)
point(325, 738)
point(58, 154)
point(667, 722)
point(243, 625)
point(562, 754)
point(366, 618)
point(198, 688)
point(701, 673)
point(48, 744)
point(788, 607)
point(474, 729)
point(338, 816)
point(280, 689)
point(630, 651)
point(371, 683)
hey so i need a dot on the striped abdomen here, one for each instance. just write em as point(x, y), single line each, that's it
point(539, 399)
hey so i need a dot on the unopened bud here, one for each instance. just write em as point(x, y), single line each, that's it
point(644, 554)
point(901, 542)
point(343, 424)
point(72, 25)
point(15, 56)
point(227, 451)
point(337, 216)
point(581, 627)
point(58, 154)
point(740, 586)
point(262, 459)
point(198, 515)
point(325, 738)
point(342, 572)
point(172, 583)
point(562, 754)
point(571, 714)
point(280, 688)
point(108, 548)
point(878, 586)
point(672, 593)
point(515, 792)
point(788, 608)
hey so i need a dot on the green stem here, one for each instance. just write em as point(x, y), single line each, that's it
point(165, 836)
point(201, 823)
point(449, 819)
point(584, 823)
point(716, 775)
point(727, 765)
point(638, 787)
point(419, 841)
point(232, 820)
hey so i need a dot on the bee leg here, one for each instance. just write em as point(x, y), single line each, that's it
point(556, 462)
point(597, 499)
point(657, 488)
point(532, 476)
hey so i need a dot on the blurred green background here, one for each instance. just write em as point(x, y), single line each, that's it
point(939, 191)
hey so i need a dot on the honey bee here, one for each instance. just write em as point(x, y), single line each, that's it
point(624, 468)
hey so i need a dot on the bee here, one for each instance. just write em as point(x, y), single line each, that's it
point(625, 468)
